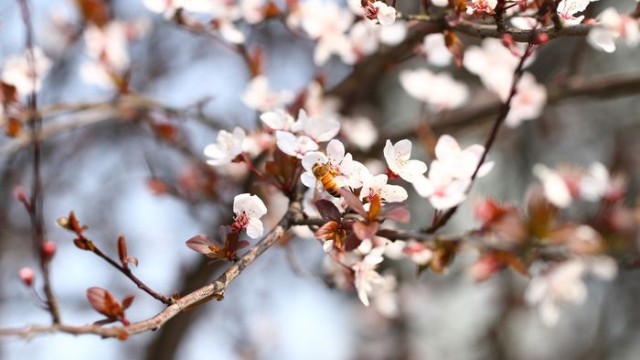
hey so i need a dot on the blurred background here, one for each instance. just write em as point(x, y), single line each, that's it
point(134, 166)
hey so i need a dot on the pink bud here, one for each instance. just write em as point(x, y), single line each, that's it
point(48, 250)
point(27, 275)
point(507, 40)
point(542, 38)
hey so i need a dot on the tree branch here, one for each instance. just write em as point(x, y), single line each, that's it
point(214, 290)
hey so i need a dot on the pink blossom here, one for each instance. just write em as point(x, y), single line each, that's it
point(610, 28)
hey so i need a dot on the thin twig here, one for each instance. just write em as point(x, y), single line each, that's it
point(36, 211)
point(502, 115)
point(128, 273)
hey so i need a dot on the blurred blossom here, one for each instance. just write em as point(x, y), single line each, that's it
point(436, 50)
point(18, 72)
point(418, 253)
point(253, 11)
point(360, 132)
point(393, 34)
point(228, 146)
point(261, 97)
point(567, 9)
point(561, 186)
point(481, 6)
point(528, 102)
point(563, 284)
point(398, 159)
point(366, 278)
point(556, 189)
point(326, 23)
point(321, 129)
point(495, 64)
point(248, 210)
point(385, 299)
point(461, 164)
point(107, 49)
point(278, 120)
point(611, 27)
point(440, 91)
point(450, 174)
point(441, 188)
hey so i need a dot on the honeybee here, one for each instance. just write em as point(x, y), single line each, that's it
point(326, 176)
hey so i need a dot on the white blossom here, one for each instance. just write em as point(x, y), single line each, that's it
point(228, 146)
point(377, 185)
point(248, 210)
point(367, 279)
point(293, 145)
point(17, 71)
point(398, 159)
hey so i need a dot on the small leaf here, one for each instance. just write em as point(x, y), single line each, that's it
point(513, 261)
point(256, 61)
point(327, 210)
point(127, 301)
point(353, 202)
point(202, 243)
point(365, 230)
point(94, 11)
point(122, 251)
point(104, 303)
point(84, 244)
point(375, 205)
point(396, 212)
point(455, 47)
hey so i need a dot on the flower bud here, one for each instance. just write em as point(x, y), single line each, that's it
point(48, 249)
point(26, 276)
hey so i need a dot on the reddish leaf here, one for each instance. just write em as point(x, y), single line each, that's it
point(127, 301)
point(353, 202)
point(396, 212)
point(455, 46)
point(513, 261)
point(104, 303)
point(328, 231)
point(365, 230)
point(256, 61)
point(202, 243)
point(541, 213)
point(83, 244)
point(375, 205)
point(13, 127)
point(94, 11)
point(157, 186)
point(327, 210)
point(165, 131)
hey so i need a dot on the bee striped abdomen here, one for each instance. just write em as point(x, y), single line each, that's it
point(324, 175)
